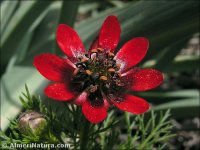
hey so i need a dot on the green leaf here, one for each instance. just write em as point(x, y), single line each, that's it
point(7, 10)
point(159, 97)
point(168, 54)
point(181, 108)
point(42, 39)
point(183, 63)
point(23, 47)
point(19, 25)
point(69, 8)
point(162, 22)
point(170, 36)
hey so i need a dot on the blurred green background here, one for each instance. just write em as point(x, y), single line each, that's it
point(172, 27)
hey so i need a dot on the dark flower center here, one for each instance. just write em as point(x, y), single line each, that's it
point(98, 74)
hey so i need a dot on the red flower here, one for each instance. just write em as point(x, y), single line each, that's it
point(99, 78)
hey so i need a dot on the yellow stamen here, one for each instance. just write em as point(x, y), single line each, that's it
point(110, 54)
point(118, 66)
point(94, 51)
point(100, 49)
point(88, 72)
point(104, 78)
point(111, 70)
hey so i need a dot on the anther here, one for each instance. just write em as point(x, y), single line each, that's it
point(88, 72)
point(111, 70)
point(94, 51)
point(103, 78)
point(118, 66)
point(100, 49)
point(110, 54)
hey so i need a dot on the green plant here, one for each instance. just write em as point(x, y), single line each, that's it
point(64, 128)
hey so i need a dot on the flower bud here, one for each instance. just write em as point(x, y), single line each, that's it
point(32, 121)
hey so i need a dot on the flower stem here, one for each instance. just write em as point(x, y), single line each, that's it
point(84, 136)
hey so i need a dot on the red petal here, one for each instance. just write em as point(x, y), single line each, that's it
point(81, 98)
point(145, 79)
point(94, 114)
point(95, 44)
point(53, 67)
point(110, 33)
point(59, 91)
point(132, 53)
point(106, 103)
point(69, 42)
point(132, 104)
